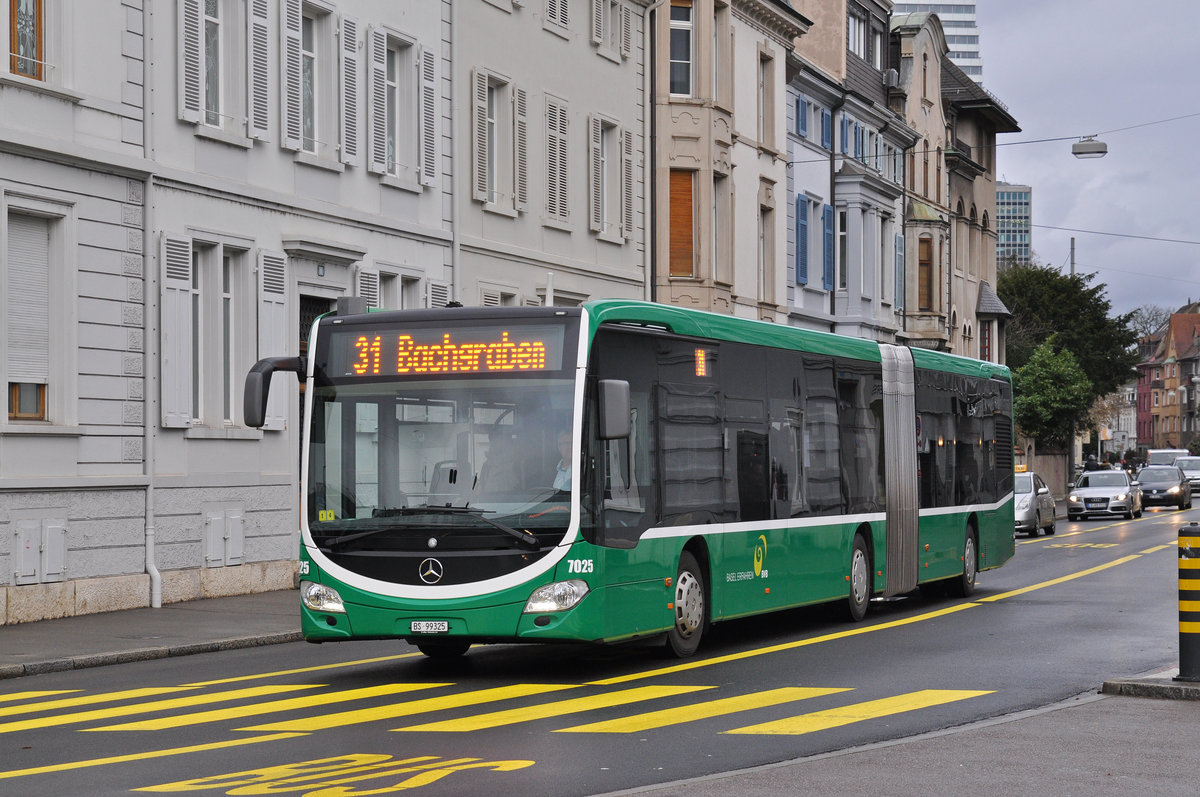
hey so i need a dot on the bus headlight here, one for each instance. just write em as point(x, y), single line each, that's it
point(556, 597)
point(320, 598)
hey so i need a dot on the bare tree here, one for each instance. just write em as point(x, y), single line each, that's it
point(1147, 319)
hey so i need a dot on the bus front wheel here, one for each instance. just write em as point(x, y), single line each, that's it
point(860, 581)
point(691, 611)
point(964, 585)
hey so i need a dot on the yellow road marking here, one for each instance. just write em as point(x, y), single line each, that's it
point(859, 712)
point(146, 708)
point(1157, 548)
point(317, 668)
point(90, 700)
point(32, 695)
point(544, 710)
point(694, 665)
point(122, 759)
point(256, 709)
point(343, 718)
point(1053, 581)
point(700, 711)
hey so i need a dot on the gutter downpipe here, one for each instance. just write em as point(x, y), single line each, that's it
point(150, 310)
point(455, 244)
point(648, 155)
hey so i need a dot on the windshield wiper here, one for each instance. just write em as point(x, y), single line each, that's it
point(520, 535)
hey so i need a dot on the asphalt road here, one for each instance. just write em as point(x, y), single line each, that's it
point(1068, 612)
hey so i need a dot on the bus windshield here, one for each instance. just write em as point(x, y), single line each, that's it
point(409, 461)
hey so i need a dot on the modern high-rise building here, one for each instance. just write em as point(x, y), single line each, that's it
point(962, 32)
point(1013, 229)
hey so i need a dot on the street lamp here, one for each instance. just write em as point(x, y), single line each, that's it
point(1089, 147)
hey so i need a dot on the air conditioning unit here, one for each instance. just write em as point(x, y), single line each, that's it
point(891, 79)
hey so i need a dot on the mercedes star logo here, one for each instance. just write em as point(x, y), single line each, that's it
point(430, 571)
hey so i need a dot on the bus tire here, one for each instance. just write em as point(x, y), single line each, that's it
point(860, 580)
point(964, 585)
point(443, 648)
point(691, 609)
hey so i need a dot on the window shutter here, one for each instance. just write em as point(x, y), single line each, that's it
point(827, 275)
point(899, 289)
point(556, 160)
point(479, 144)
point(235, 537)
point(175, 328)
point(27, 301)
point(801, 240)
point(595, 195)
point(429, 127)
point(626, 31)
point(627, 184)
point(521, 145)
point(273, 325)
point(437, 293)
point(377, 105)
point(292, 19)
point(190, 56)
point(826, 129)
point(802, 117)
point(368, 286)
point(54, 550)
point(491, 298)
point(258, 57)
point(845, 135)
point(598, 21)
point(214, 538)
point(348, 66)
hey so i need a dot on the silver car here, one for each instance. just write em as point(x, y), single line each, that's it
point(1104, 492)
point(1191, 468)
point(1034, 505)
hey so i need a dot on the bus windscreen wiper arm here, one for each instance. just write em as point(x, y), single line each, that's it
point(519, 535)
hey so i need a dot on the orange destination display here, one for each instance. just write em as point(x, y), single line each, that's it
point(517, 348)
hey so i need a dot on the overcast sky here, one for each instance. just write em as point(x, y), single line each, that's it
point(1078, 67)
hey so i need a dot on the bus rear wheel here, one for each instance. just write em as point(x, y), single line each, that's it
point(691, 610)
point(443, 648)
point(860, 581)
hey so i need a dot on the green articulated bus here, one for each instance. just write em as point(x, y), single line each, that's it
point(625, 470)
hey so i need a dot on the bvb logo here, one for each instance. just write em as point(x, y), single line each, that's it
point(760, 554)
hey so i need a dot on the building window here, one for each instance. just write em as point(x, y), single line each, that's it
point(682, 223)
point(557, 12)
point(985, 340)
point(681, 49)
point(610, 178)
point(856, 34)
point(224, 66)
point(212, 63)
point(843, 258)
point(400, 84)
point(313, 69)
point(499, 142)
point(308, 83)
point(926, 279)
point(26, 23)
point(216, 272)
point(27, 306)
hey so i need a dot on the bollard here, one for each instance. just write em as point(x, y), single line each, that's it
point(1189, 602)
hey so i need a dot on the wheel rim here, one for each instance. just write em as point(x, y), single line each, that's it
point(689, 604)
point(858, 576)
point(969, 560)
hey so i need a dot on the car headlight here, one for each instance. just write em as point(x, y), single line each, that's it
point(1174, 489)
point(1074, 499)
point(1122, 496)
point(556, 597)
point(1024, 502)
point(320, 598)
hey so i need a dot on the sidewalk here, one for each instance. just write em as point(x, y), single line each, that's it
point(1136, 737)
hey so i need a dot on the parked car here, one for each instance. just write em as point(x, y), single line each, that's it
point(1104, 492)
point(1165, 485)
point(1191, 468)
point(1034, 504)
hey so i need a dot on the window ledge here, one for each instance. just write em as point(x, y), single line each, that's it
point(228, 433)
point(402, 183)
point(40, 429)
point(606, 52)
point(611, 238)
point(223, 136)
point(556, 30)
point(557, 224)
point(317, 162)
point(40, 86)
point(499, 210)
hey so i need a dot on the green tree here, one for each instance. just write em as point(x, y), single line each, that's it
point(1044, 301)
point(1050, 395)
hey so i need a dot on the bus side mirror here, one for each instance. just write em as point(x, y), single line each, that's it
point(614, 409)
point(258, 386)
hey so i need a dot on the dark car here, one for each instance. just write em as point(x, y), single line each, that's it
point(1165, 485)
